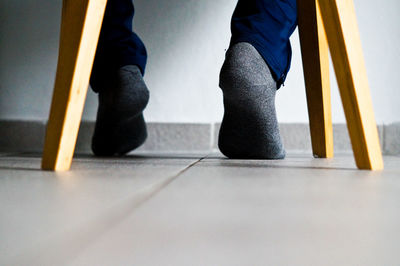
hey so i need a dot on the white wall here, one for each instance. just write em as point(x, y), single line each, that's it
point(186, 40)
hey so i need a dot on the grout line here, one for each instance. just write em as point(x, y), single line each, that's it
point(187, 168)
point(384, 151)
point(212, 137)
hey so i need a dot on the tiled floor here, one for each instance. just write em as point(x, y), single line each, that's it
point(199, 210)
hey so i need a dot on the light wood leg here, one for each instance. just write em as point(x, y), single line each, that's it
point(80, 29)
point(340, 22)
point(315, 56)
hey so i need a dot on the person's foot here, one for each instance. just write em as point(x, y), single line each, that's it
point(120, 126)
point(249, 129)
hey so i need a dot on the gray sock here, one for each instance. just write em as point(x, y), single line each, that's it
point(249, 129)
point(120, 126)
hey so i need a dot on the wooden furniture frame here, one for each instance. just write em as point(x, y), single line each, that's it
point(324, 25)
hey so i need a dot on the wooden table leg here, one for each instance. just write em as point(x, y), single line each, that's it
point(315, 56)
point(340, 22)
point(80, 30)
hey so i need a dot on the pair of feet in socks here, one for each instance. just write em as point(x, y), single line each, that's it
point(249, 129)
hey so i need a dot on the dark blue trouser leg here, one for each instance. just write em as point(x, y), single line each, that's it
point(118, 45)
point(267, 25)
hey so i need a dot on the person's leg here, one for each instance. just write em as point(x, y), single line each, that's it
point(117, 76)
point(255, 67)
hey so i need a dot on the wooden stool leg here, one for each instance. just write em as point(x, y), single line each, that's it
point(315, 56)
point(340, 22)
point(80, 29)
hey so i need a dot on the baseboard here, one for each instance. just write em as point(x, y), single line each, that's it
point(28, 136)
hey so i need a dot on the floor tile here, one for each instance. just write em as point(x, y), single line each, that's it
point(300, 211)
point(46, 217)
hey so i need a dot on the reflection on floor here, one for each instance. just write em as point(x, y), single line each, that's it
point(168, 209)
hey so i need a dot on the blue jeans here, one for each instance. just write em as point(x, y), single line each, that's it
point(266, 24)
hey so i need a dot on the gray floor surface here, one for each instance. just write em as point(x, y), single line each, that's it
point(167, 209)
